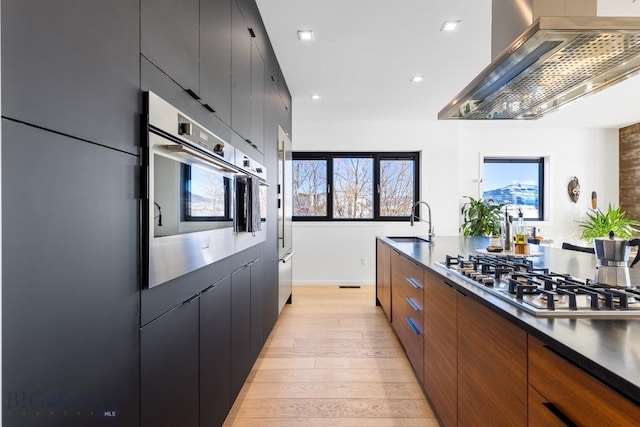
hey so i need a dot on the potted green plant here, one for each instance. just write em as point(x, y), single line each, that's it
point(599, 224)
point(480, 217)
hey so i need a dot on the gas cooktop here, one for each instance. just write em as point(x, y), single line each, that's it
point(540, 292)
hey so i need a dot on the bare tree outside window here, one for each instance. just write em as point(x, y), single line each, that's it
point(353, 188)
point(309, 187)
point(358, 186)
point(208, 193)
point(396, 187)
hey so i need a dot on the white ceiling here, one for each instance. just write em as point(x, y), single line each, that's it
point(365, 52)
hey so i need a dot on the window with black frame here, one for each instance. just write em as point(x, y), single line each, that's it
point(516, 182)
point(205, 194)
point(354, 186)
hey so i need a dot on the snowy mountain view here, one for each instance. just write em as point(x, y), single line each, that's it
point(523, 196)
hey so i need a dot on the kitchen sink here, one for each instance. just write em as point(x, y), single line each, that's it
point(409, 239)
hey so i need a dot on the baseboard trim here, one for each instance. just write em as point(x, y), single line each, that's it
point(329, 283)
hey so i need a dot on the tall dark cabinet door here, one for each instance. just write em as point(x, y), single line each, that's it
point(170, 38)
point(70, 303)
point(170, 378)
point(285, 97)
point(240, 328)
point(215, 56)
point(270, 145)
point(257, 97)
point(257, 307)
point(240, 74)
point(67, 67)
point(215, 353)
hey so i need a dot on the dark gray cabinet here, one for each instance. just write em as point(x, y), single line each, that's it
point(251, 16)
point(253, 20)
point(240, 328)
point(257, 97)
point(215, 56)
point(70, 303)
point(170, 375)
point(270, 295)
point(73, 307)
point(257, 308)
point(66, 67)
point(186, 358)
point(270, 141)
point(215, 353)
point(240, 74)
point(285, 98)
point(247, 312)
point(170, 37)
point(272, 106)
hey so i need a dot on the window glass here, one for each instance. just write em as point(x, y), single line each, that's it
point(352, 188)
point(396, 187)
point(206, 194)
point(517, 183)
point(310, 188)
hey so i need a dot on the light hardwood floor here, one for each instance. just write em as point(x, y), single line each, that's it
point(332, 360)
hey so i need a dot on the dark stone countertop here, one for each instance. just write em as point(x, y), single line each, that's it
point(606, 347)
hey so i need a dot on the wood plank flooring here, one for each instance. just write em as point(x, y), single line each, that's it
point(332, 360)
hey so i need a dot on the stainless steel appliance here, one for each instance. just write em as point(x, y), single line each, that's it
point(285, 212)
point(250, 202)
point(190, 202)
point(540, 292)
point(612, 258)
point(548, 61)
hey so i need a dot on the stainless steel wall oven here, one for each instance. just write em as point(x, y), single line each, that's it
point(201, 197)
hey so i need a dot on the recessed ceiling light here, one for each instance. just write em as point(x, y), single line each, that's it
point(315, 97)
point(450, 26)
point(305, 35)
point(417, 78)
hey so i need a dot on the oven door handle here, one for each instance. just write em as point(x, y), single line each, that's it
point(179, 148)
point(260, 180)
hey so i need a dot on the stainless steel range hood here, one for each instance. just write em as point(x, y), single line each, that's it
point(555, 61)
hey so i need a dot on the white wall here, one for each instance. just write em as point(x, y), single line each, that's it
point(618, 8)
point(333, 252)
point(589, 154)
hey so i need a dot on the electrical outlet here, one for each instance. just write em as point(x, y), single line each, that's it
point(363, 261)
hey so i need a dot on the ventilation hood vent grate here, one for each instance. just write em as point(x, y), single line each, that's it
point(555, 61)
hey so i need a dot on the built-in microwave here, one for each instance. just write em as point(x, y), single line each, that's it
point(203, 199)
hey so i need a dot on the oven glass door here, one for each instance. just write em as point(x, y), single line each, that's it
point(190, 211)
point(190, 196)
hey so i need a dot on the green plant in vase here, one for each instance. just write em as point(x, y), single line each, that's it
point(480, 217)
point(599, 224)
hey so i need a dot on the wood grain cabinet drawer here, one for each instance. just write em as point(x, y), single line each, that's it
point(407, 306)
point(441, 347)
point(407, 279)
point(541, 411)
point(410, 333)
point(572, 395)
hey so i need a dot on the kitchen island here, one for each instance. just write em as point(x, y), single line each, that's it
point(483, 360)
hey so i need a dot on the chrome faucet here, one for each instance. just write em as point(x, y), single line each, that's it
point(413, 216)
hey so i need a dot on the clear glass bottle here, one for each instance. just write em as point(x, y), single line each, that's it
point(520, 230)
point(507, 231)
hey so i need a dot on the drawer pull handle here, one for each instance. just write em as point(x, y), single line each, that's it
point(414, 304)
point(413, 282)
point(559, 414)
point(413, 326)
